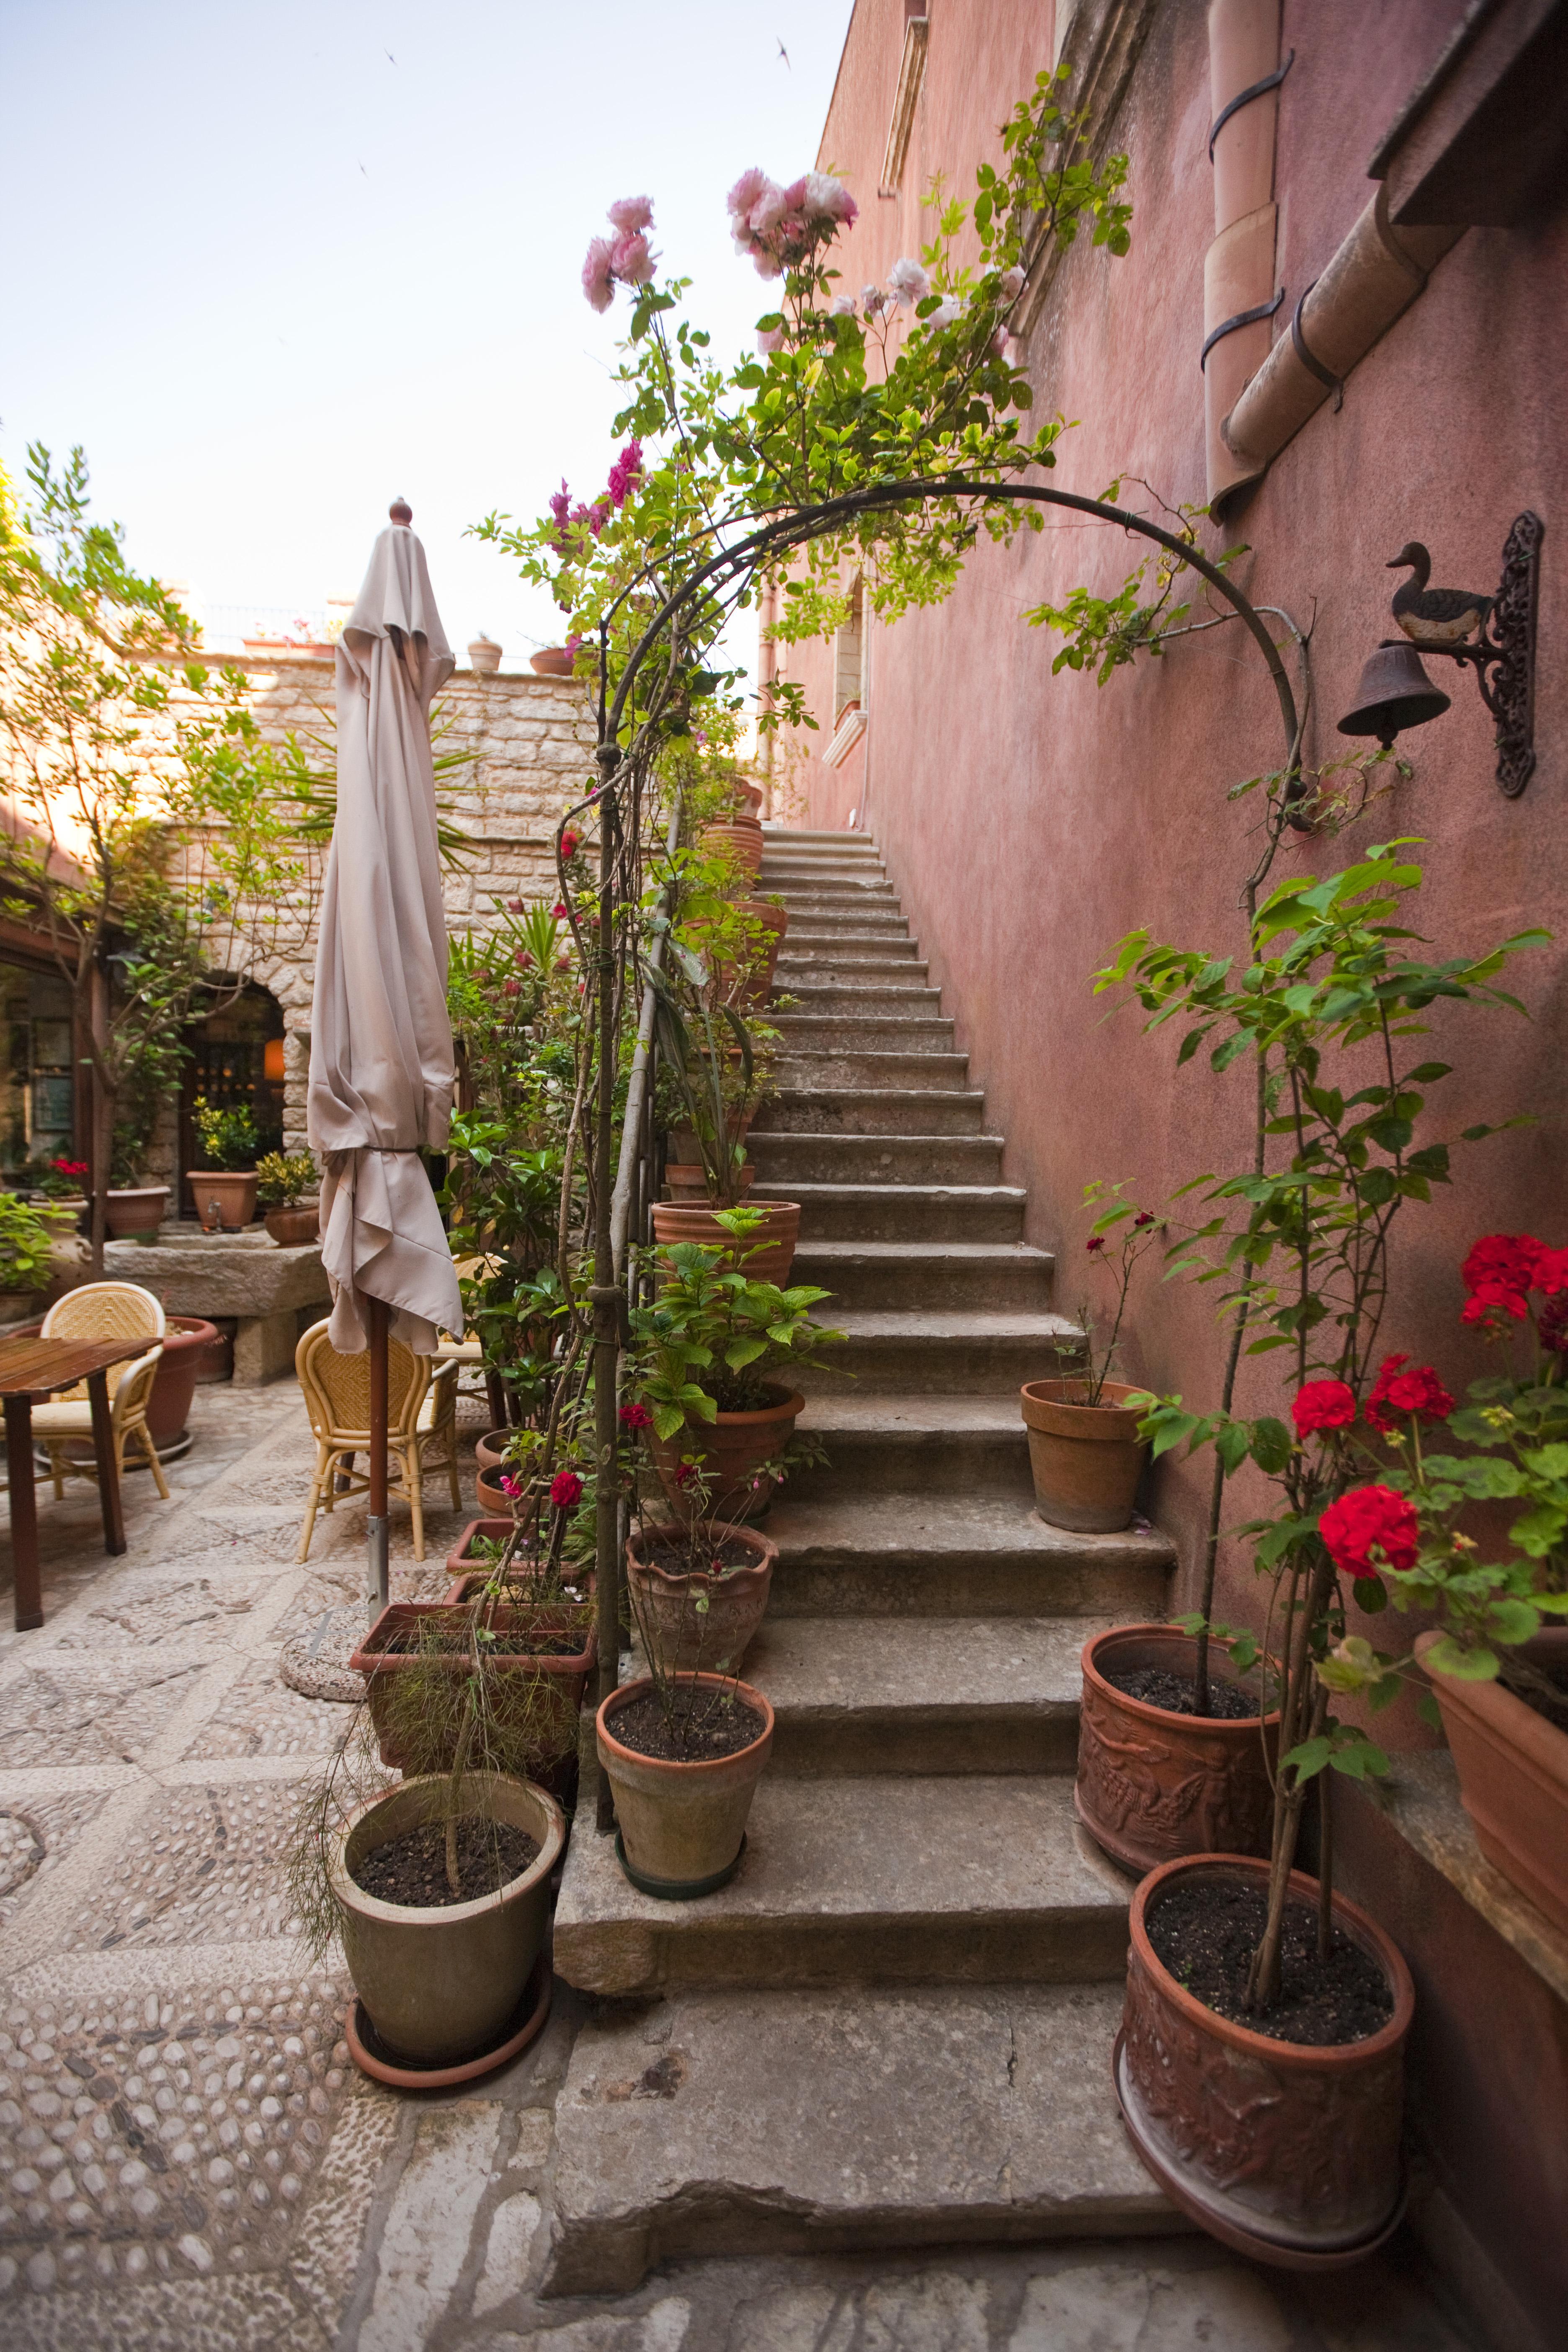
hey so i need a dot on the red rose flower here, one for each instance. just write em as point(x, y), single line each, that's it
point(1396, 1392)
point(1499, 1271)
point(1096, 1241)
point(687, 1475)
point(568, 841)
point(636, 1416)
point(1144, 1217)
point(1322, 1404)
point(565, 1490)
point(1370, 1519)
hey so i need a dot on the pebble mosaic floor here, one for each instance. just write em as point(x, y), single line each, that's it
point(187, 2158)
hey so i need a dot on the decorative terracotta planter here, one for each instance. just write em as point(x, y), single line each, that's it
point(1086, 1458)
point(1153, 1786)
point(773, 1243)
point(135, 1209)
point(62, 1217)
point(730, 1449)
point(1283, 2151)
point(441, 1985)
point(664, 1606)
point(1513, 1775)
point(519, 1703)
point(291, 1228)
point(185, 1338)
point(233, 1188)
point(742, 837)
point(681, 1825)
point(552, 661)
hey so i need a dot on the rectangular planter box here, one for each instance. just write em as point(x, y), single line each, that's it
point(538, 1694)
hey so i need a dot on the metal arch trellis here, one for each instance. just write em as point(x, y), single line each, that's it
point(621, 765)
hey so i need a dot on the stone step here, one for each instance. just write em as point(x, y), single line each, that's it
point(927, 1354)
point(802, 1033)
point(796, 2122)
point(850, 1212)
point(948, 1071)
point(926, 1694)
point(774, 829)
point(876, 970)
point(916, 1555)
point(854, 948)
point(959, 1879)
point(788, 1160)
point(909, 1277)
point(829, 894)
point(825, 866)
point(890, 1441)
point(876, 1111)
point(853, 1003)
point(839, 922)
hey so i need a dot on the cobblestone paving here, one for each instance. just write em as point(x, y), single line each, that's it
point(188, 2160)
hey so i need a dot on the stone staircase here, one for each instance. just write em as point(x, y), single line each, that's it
point(894, 2026)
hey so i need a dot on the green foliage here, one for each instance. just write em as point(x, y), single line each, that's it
point(715, 1335)
point(281, 1177)
point(25, 1244)
point(225, 1139)
point(1104, 633)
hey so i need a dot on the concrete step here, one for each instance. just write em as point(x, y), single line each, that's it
point(909, 1556)
point(890, 1442)
point(874, 970)
point(847, 1003)
point(838, 923)
point(851, 1212)
point(853, 948)
point(803, 1033)
point(926, 1694)
point(959, 1879)
point(829, 894)
point(774, 829)
point(927, 1354)
point(786, 2122)
point(946, 1072)
point(875, 1111)
point(911, 1277)
point(783, 1159)
point(797, 866)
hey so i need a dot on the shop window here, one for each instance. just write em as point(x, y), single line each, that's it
point(38, 1071)
point(237, 1061)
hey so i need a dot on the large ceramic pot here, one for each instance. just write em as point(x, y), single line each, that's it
point(174, 1381)
point(1153, 1785)
point(664, 1601)
point(680, 1825)
point(1513, 1775)
point(1284, 2151)
point(441, 1985)
point(1086, 1458)
point(234, 1190)
point(535, 1695)
point(134, 1210)
point(742, 837)
point(765, 1256)
point(730, 1451)
point(292, 1228)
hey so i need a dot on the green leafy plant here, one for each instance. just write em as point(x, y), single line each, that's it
point(226, 1137)
point(1137, 1232)
point(715, 1335)
point(26, 1239)
point(282, 1177)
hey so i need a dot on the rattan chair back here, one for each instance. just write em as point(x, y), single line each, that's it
point(337, 1388)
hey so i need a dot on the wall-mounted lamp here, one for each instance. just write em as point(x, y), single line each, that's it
point(1496, 633)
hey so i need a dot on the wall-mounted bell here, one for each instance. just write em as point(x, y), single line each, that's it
point(1395, 693)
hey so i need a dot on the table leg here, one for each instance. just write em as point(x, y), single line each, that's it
point(108, 1475)
point(24, 1512)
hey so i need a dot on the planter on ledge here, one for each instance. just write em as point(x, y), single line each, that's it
point(234, 1190)
point(1086, 1458)
point(131, 1211)
point(681, 1825)
point(772, 1242)
point(730, 1449)
point(1513, 1774)
point(1153, 1785)
point(292, 1228)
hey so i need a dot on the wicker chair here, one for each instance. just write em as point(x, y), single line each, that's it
point(104, 1310)
point(421, 1411)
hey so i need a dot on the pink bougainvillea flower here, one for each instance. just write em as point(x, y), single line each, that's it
point(1368, 1521)
point(1397, 1391)
point(598, 268)
point(1322, 1404)
point(625, 473)
point(631, 212)
point(908, 282)
point(565, 1490)
point(510, 1485)
point(636, 1416)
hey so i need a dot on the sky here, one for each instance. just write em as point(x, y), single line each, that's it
point(273, 265)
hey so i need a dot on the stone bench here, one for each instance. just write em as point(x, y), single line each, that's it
point(241, 1277)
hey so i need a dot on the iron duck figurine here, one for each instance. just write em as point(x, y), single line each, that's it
point(1434, 616)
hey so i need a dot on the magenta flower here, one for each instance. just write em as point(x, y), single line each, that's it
point(625, 473)
point(510, 1485)
point(631, 212)
point(636, 1416)
point(598, 273)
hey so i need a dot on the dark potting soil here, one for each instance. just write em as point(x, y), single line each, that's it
point(507, 1644)
point(412, 1868)
point(688, 1559)
point(1206, 1934)
point(1550, 1709)
point(712, 1728)
point(1228, 1703)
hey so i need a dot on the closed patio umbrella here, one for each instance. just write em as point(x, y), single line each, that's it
point(381, 1040)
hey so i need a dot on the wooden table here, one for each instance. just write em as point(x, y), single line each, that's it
point(31, 1370)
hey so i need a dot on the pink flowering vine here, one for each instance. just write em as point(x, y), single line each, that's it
point(624, 259)
point(778, 227)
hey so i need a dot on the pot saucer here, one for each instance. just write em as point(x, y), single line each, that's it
point(680, 1890)
point(371, 2056)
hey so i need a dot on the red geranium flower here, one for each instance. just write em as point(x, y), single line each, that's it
point(1499, 1271)
point(636, 1416)
point(1396, 1392)
point(1370, 1519)
point(1551, 1271)
point(1322, 1404)
point(1552, 1325)
point(565, 1490)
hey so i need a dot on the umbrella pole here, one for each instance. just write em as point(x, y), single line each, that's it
point(376, 1525)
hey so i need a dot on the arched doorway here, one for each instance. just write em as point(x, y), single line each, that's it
point(235, 1060)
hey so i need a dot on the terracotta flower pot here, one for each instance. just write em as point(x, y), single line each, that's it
point(687, 1182)
point(1086, 1458)
point(1153, 1786)
point(1283, 2151)
point(490, 1451)
point(1513, 1775)
point(186, 1338)
point(742, 837)
point(730, 1451)
point(774, 1242)
point(752, 796)
point(234, 1190)
point(681, 1824)
point(291, 1228)
point(484, 656)
point(134, 1209)
point(440, 1984)
point(552, 661)
point(535, 1695)
point(462, 1565)
point(664, 1604)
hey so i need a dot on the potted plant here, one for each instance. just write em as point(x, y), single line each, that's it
point(698, 1588)
point(717, 1089)
point(281, 1179)
point(705, 1358)
point(227, 1140)
point(683, 1752)
point(58, 1188)
point(1085, 1452)
point(169, 1399)
point(27, 1265)
point(132, 1210)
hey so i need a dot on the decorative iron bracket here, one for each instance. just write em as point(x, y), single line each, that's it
point(1503, 658)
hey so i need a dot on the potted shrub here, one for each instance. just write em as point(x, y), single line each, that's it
point(132, 1210)
point(281, 1179)
point(1158, 1774)
point(57, 1189)
point(706, 1357)
point(717, 1092)
point(185, 1336)
point(27, 1265)
point(226, 1141)
point(1085, 1452)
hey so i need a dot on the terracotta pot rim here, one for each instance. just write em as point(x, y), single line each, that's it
point(136, 1192)
point(370, 1659)
point(793, 1406)
point(1112, 1423)
point(767, 1553)
point(234, 1175)
point(1245, 1726)
point(701, 1208)
point(352, 1896)
point(716, 1765)
point(1495, 1708)
point(1298, 2057)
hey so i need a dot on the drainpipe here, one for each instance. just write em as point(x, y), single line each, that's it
point(1240, 290)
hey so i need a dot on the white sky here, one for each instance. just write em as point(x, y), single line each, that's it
point(270, 279)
